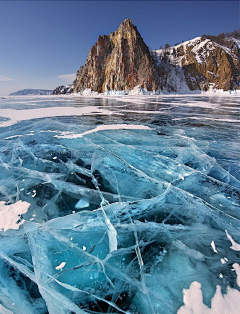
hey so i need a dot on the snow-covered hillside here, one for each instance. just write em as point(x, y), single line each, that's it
point(25, 92)
point(199, 63)
point(200, 47)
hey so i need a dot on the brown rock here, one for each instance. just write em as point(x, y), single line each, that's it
point(207, 63)
point(119, 61)
point(122, 61)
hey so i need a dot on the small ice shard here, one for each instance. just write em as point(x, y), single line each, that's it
point(82, 203)
point(84, 248)
point(60, 266)
point(112, 233)
point(10, 214)
point(55, 157)
point(213, 247)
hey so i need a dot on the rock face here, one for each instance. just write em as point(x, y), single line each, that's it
point(63, 89)
point(119, 61)
point(205, 64)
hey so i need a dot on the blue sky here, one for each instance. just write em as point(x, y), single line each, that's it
point(43, 43)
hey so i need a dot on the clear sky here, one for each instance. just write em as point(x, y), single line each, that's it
point(43, 43)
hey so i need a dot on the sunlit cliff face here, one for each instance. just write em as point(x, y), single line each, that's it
point(119, 61)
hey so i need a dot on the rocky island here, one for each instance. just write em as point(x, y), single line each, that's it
point(122, 61)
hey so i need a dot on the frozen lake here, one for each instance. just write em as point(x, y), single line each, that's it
point(120, 204)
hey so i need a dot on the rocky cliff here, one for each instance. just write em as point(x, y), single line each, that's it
point(119, 61)
point(205, 64)
point(63, 89)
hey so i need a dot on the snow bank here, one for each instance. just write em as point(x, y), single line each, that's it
point(15, 116)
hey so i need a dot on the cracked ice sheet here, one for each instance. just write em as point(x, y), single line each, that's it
point(167, 251)
point(168, 191)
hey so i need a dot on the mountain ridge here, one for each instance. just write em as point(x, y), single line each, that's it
point(205, 63)
point(31, 91)
point(121, 61)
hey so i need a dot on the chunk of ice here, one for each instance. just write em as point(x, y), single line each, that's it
point(82, 203)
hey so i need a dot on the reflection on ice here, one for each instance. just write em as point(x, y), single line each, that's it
point(142, 218)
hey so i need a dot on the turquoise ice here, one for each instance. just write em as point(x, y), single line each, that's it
point(118, 205)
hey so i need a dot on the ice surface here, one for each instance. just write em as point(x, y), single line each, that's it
point(126, 205)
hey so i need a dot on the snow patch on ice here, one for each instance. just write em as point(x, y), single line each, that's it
point(213, 247)
point(16, 116)
point(10, 215)
point(220, 304)
point(235, 246)
point(60, 266)
point(104, 128)
point(223, 260)
point(236, 267)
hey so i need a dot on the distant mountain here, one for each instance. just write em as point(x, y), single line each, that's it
point(25, 92)
point(123, 62)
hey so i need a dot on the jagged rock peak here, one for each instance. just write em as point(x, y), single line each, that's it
point(126, 24)
point(119, 61)
point(126, 30)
